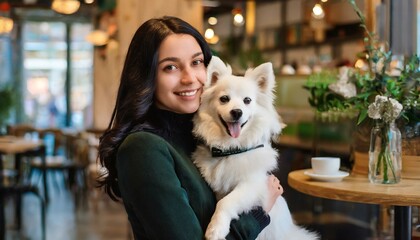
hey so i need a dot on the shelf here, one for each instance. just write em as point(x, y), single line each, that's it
point(333, 41)
point(296, 33)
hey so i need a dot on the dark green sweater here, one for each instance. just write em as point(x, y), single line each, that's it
point(163, 192)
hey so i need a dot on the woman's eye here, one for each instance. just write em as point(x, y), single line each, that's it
point(197, 62)
point(247, 100)
point(170, 67)
point(224, 99)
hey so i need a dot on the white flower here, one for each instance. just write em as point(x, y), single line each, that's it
point(343, 87)
point(343, 74)
point(379, 65)
point(384, 108)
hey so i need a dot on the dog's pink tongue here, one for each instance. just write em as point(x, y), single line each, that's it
point(234, 129)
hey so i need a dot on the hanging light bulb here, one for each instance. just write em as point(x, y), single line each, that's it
point(318, 12)
point(98, 38)
point(212, 21)
point(210, 36)
point(238, 18)
point(65, 6)
point(209, 33)
point(6, 23)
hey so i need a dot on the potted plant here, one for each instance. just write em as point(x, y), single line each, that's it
point(348, 92)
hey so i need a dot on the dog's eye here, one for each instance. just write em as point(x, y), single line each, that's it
point(247, 100)
point(224, 99)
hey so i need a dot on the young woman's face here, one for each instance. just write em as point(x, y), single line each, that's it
point(181, 74)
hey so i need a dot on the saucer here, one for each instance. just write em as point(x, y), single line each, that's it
point(327, 178)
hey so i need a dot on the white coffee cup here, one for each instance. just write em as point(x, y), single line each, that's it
point(325, 165)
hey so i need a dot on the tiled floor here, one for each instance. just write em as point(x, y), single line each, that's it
point(103, 220)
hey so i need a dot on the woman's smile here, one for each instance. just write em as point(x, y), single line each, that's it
point(187, 93)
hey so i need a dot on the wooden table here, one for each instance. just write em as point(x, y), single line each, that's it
point(18, 147)
point(357, 188)
point(14, 145)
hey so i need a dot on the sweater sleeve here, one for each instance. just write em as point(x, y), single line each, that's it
point(157, 204)
point(249, 225)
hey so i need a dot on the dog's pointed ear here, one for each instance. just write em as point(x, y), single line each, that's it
point(264, 75)
point(215, 70)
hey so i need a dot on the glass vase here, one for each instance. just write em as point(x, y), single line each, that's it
point(385, 154)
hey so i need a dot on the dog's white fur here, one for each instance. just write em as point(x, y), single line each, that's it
point(240, 180)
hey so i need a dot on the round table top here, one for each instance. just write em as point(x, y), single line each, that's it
point(13, 145)
point(357, 188)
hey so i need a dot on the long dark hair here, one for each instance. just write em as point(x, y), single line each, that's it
point(136, 90)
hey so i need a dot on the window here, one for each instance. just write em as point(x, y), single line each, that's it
point(57, 88)
point(5, 64)
point(81, 77)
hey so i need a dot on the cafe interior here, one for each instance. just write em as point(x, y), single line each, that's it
point(60, 66)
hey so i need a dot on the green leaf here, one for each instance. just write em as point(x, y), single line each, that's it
point(362, 116)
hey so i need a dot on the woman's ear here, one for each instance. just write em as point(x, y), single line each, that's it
point(215, 70)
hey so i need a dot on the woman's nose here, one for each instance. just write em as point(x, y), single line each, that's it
point(188, 76)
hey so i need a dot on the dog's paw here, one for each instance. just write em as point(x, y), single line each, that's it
point(215, 233)
point(218, 228)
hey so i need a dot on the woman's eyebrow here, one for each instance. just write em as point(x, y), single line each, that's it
point(175, 59)
point(197, 54)
point(171, 59)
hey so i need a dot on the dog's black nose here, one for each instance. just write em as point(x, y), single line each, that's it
point(236, 113)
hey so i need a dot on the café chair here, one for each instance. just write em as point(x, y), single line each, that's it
point(23, 159)
point(67, 155)
point(16, 188)
point(22, 130)
point(21, 186)
point(55, 162)
point(79, 169)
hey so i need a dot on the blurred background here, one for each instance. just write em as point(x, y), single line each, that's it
point(60, 62)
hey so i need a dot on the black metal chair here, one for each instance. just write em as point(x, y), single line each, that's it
point(25, 130)
point(16, 189)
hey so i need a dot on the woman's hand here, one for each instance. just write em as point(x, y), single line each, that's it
point(274, 190)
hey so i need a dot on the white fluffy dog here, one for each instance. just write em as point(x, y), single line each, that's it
point(236, 121)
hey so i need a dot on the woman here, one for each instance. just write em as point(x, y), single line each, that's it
point(147, 146)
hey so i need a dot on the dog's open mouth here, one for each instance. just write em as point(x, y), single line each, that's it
point(233, 128)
